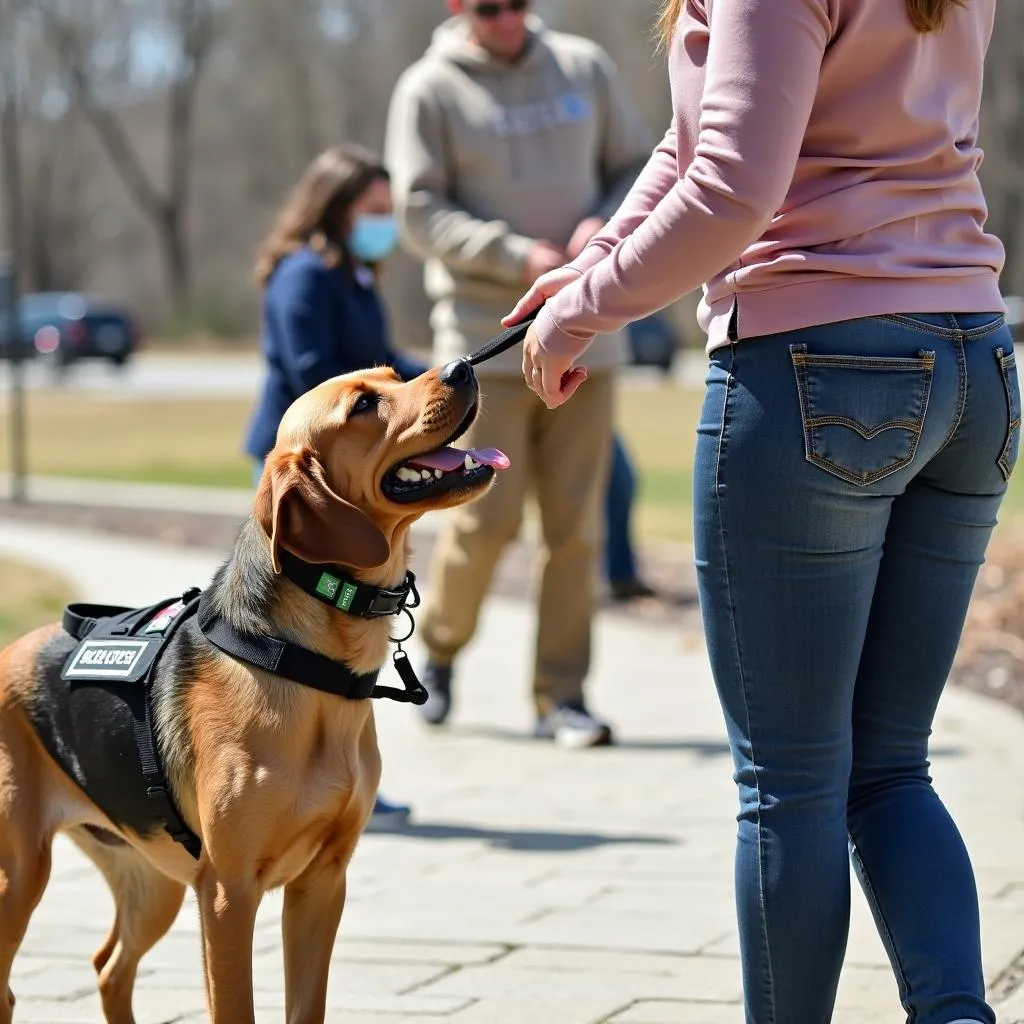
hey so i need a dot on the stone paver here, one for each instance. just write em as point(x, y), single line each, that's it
point(536, 885)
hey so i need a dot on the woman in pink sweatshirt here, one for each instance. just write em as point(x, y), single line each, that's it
point(860, 423)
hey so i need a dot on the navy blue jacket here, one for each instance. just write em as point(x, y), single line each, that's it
point(318, 322)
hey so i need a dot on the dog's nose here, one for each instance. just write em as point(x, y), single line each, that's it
point(457, 374)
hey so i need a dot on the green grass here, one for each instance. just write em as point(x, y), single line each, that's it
point(29, 598)
point(659, 426)
point(236, 473)
point(181, 442)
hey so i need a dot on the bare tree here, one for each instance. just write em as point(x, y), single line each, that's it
point(283, 37)
point(10, 127)
point(187, 30)
point(56, 220)
point(55, 169)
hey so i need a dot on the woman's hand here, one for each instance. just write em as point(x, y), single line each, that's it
point(553, 378)
point(542, 289)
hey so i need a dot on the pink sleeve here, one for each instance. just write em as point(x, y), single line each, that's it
point(659, 174)
point(762, 71)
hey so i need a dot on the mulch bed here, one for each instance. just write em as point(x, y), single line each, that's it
point(991, 654)
point(990, 659)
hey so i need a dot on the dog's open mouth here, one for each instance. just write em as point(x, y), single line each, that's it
point(442, 470)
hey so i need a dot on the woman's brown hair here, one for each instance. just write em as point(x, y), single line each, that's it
point(315, 212)
point(925, 16)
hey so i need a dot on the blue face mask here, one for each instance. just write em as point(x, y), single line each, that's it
point(373, 237)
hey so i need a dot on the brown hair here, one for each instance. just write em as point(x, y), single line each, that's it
point(925, 16)
point(929, 15)
point(315, 211)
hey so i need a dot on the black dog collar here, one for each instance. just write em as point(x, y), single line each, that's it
point(333, 586)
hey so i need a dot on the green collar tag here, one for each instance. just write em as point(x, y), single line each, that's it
point(346, 597)
point(327, 586)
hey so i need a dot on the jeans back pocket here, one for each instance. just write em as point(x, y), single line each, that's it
point(862, 415)
point(1008, 367)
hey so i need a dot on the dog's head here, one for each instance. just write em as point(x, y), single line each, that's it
point(362, 456)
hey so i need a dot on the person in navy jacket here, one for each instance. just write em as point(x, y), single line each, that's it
point(322, 312)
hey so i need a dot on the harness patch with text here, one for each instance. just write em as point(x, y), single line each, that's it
point(107, 653)
point(123, 660)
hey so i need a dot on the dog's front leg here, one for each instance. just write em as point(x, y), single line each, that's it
point(227, 912)
point(312, 911)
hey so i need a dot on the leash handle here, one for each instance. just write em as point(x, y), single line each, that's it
point(510, 336)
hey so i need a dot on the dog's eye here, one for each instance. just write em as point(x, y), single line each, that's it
point(364, 403)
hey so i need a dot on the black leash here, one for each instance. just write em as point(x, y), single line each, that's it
point(510, 336)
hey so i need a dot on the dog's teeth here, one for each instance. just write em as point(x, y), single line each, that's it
point(425, 474)
point(438, 474)
point(408, 475)
point(471, 463)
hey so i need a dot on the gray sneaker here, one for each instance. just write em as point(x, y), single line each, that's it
point(571, 725)
point(387, 816)
point(437, 679)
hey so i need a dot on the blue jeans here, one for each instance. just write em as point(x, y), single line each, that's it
point(619, 559)
point(847, 480)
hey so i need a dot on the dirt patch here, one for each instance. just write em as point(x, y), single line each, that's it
point(991, 654)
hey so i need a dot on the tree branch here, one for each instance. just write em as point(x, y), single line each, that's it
point(108, 127)
point(197, 25)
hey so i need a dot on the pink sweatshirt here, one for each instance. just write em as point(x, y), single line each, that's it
point(824, 153)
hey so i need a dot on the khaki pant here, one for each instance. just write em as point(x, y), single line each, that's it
point(562, 456)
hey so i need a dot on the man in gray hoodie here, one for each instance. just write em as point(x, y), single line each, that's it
point(509, 145)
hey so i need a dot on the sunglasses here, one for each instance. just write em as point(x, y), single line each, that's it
point(489, 10)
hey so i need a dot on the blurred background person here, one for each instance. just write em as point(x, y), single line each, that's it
point(620, 561)
point(510, 145)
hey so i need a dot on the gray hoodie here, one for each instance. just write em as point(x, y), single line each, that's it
point(487, 156)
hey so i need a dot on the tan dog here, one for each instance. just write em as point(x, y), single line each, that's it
point(277, 779)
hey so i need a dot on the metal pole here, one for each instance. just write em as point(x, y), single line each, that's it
point(12, 205)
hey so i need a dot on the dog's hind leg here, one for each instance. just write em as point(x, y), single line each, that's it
point(146, 903)
point(25, 851)
point(23, 878)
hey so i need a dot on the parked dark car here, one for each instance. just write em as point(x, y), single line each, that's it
point(65, 327)
point(652, 342)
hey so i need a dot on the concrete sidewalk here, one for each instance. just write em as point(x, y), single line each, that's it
point(537, 886)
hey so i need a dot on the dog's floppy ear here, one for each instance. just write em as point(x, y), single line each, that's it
point(299, 511)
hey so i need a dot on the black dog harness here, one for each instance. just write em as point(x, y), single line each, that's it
point(119, 649)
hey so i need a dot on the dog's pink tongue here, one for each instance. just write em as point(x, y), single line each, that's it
point(490, 457)
point(447, 459)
